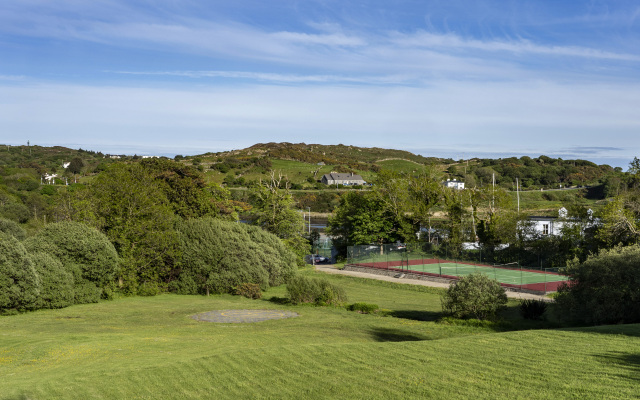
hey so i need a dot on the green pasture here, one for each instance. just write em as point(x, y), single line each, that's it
point(149, 348)
point(401, 165)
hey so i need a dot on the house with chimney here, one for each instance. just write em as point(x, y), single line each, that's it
point(348, 179)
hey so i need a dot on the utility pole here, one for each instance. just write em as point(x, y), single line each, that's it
point(518, 195)
point(493, 192)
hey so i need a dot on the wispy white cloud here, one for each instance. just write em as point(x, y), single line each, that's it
point(512, 118)
point(279, 78)
point(12, 77)
point(327, 47)
point(452, 42)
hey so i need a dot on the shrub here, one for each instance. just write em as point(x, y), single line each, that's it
point(12, 228)
point(148, 289)
point(364, 308)
point(301, 289)
point(532, 309)
point(57, 284)
point(17, 212)
point(19, 281)
point(330, 294)
point(603, 289)
point(218, 256)
point(86, 292)
point(474, 296)
point(83, 251)
point(248, 290)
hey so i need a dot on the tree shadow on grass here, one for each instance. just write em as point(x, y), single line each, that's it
point(417, 315)
point(278, 300)
point(629, 362)
point(394, 335)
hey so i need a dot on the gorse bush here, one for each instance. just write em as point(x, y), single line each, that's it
point(301, 289)
point(532, 309)
point(474, 296)
point(603, 289)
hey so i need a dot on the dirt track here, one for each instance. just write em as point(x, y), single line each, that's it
point(331, 269)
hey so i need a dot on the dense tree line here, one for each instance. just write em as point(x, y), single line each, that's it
point(144, 227)
point(532, 173)
point(400, 205)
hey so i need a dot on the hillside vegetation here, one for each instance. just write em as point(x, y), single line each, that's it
point(23, 198)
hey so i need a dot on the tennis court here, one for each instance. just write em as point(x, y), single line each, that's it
point(509, 275)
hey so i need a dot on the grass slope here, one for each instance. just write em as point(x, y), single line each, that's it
point(150, 348)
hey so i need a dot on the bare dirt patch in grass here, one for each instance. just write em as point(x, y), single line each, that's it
point(242, 316)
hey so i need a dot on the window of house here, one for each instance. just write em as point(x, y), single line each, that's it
point(545, 229)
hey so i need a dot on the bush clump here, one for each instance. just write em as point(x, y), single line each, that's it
point(248, 290)
point(57, 284)
point(218, 256)
point(474, 296)
point(12, 228)
point(19, 281)
point(532, 309)
point(83, 251)
point(603, 289)
point(321, 292)
point(364, 308)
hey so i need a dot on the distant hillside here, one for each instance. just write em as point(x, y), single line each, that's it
point(303, 164)
point(357, 158)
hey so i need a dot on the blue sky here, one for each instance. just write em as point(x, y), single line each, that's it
point(447, 78)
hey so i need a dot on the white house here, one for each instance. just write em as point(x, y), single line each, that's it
point(454, 184)
point(50, 178)
point(342, 179)
point(552, 226)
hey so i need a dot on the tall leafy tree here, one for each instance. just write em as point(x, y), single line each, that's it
point(392, 189)
point(76, 165)
point(183, 186)
point(274, 210)
point(425, 194)
point(361, 218)
point(138, 219)
point(620, 221)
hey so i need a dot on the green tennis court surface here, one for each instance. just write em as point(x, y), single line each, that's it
point(502, 275)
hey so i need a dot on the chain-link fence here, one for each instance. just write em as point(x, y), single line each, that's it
point(423, 260)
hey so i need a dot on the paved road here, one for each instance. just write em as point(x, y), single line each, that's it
point(332, 269)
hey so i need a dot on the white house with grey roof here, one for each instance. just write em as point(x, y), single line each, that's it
point(342, 179)
point(552, 226)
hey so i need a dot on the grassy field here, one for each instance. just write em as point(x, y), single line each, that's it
point(149, 348)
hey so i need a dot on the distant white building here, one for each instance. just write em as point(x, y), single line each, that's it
point(342, 179)
point(50, 178)
point(65, 165)
point(454, 184)
point(552, 226)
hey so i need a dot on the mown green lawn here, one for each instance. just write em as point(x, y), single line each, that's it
point(149, 348)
